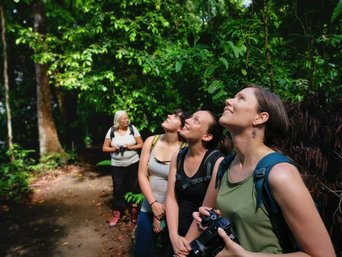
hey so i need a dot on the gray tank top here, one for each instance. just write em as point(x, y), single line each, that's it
point(158, 179)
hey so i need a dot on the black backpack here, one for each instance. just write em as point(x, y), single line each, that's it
point(112, 130)
point(209, 163)
point(264, 195)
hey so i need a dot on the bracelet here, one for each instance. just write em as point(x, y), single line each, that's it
point(153, 203)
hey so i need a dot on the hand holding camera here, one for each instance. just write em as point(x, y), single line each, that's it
point(209, 243)
point(121, 149)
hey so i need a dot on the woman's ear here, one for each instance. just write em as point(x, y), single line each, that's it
point(261, 118)
point(207, 137)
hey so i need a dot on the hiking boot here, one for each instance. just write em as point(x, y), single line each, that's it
point(115, 219)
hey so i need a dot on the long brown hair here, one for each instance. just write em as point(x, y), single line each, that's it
point(219, 141)
point(277, 126)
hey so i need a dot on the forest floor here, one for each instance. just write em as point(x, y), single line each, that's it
point(65, 217)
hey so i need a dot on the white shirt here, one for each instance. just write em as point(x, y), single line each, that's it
point(127, 157)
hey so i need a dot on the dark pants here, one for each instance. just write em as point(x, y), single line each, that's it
point(148, 243)
point(125, 179)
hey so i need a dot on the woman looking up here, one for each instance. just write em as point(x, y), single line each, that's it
point(258, 123)
point(123, 141)
point(153, 172)
point(190, 176)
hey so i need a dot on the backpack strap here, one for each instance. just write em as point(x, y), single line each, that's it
point(260, 176)
point(223, 168)
point(154, 141)
point(130, 126)
point(208, 163)
point(112, 130)
point(265, 196)
point(184, 144)
point(180, 157)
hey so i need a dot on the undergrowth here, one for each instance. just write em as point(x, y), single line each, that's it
point(15, 175)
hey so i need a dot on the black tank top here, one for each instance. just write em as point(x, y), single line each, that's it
point(190, 198)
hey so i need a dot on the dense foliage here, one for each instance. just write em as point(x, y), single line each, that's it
point(149, 57)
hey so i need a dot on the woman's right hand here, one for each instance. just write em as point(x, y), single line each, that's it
point(158, 210)
point(202, 212)
point(230, 247)
point(180, 245)
point(115, 148)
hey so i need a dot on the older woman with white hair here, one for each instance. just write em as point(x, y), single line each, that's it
point(123, 141)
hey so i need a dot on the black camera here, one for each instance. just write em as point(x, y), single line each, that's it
point(209, 243)
point(121, 149)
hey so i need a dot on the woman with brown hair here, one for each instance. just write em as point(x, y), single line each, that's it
point(153, 173)
point(192, 170)
point(258, 123)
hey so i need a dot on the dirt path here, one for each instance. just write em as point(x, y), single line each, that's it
point(66, 218)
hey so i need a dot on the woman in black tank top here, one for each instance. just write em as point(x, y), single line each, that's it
point(189, 177)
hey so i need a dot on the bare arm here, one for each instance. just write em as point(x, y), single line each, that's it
point(300, 213)
point(172, 208)
point(107, 148)
point(137, 146)
point(144, 182)
point(299, 210)
point(179, 244)
point(143, 177)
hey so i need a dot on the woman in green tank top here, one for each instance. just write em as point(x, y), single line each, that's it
point(258, 124)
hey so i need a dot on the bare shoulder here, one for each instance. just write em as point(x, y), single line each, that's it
point(285, 179)
point(283, 171)
point(149, 139)
point(147, 144)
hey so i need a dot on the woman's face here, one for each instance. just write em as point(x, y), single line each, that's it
point(196, 126)
point(123, 120)
point(240, 111)
point(172, 123)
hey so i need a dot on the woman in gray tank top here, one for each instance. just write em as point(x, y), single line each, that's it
point(153, 173)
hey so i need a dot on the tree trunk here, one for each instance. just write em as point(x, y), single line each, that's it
point(67, 103)
point(265, 14)
point(6, 86)
point(48, 138)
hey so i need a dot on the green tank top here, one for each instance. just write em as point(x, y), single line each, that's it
point(237, 202)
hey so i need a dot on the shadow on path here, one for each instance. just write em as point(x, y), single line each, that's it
point(65, 218)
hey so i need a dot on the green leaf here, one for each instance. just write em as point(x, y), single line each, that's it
point(179, 66)
point(104, 163)
point(224, 61)
point(337, 11)
point(214, 86)
point(219, 95)
point(209, 71)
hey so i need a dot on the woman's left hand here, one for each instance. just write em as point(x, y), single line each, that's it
point(230, 247)
point(158, 210)
point(130, 147)
point(156, 225)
